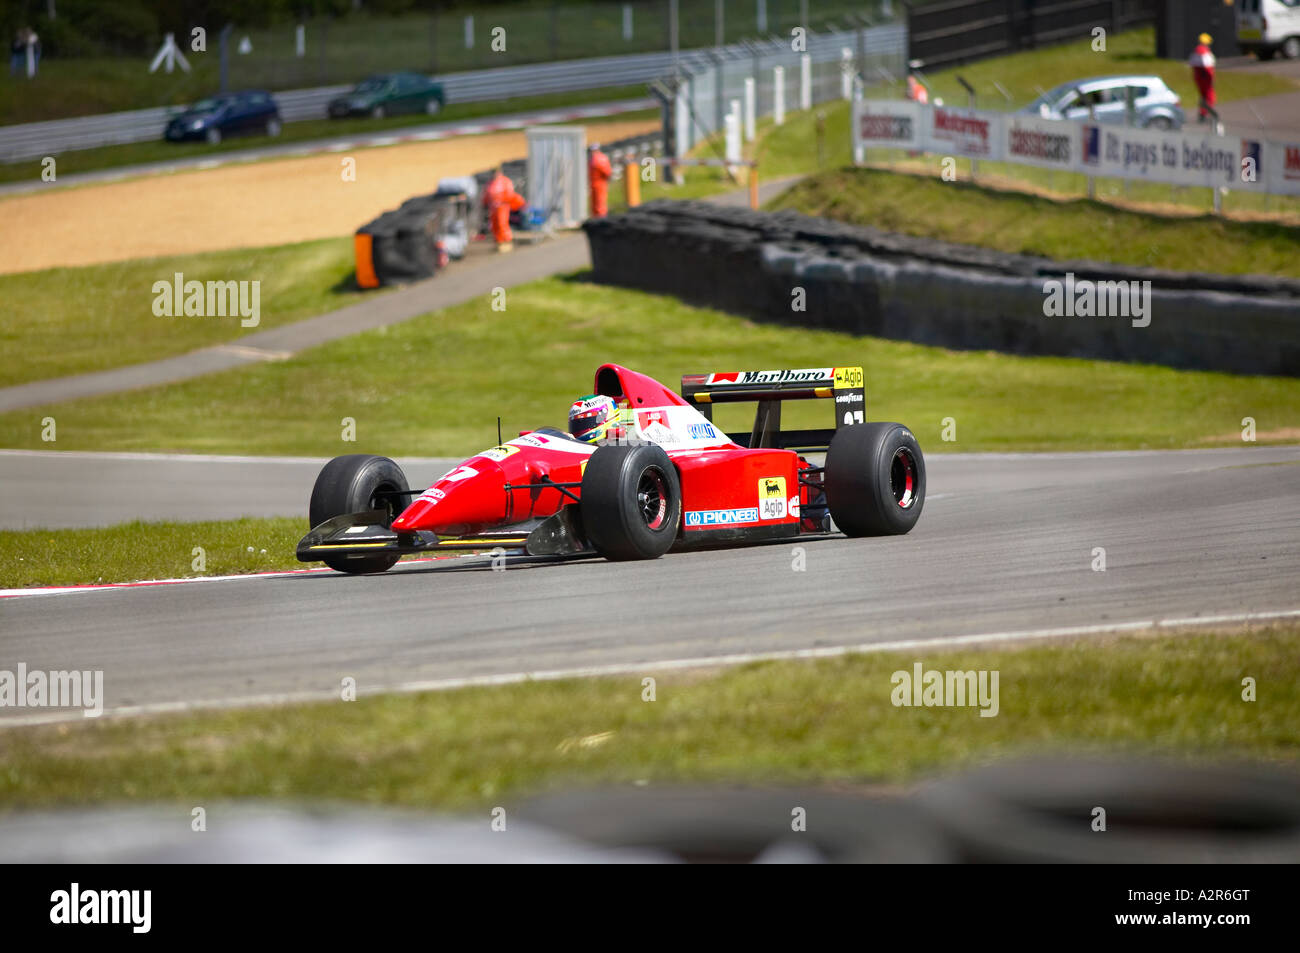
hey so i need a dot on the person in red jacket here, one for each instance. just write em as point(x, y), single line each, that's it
point(599, 172)
point(1202, 64)
point(501, 199)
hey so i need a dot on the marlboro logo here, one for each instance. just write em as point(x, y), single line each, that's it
point(816, 375)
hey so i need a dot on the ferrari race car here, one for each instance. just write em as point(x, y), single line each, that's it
point(666, 478)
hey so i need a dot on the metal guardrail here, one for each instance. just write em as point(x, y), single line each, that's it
point(35, 140)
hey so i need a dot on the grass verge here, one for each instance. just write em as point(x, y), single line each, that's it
point(72, 557)
point(1022, 222)
point(93, 317)
point(529, 363)
point(774, 722)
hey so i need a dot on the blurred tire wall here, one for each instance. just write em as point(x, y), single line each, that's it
point(864, 281)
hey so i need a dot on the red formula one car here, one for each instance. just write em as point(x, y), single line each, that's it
point(667, 478)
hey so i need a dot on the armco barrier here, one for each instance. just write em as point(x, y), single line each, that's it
point(869, 282)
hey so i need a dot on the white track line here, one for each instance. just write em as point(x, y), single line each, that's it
point(106, 586)
point(185, 457)
point(640, 668)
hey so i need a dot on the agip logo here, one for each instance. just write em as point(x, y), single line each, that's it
point(771, 498)
point(499, 453)
point(848, 377)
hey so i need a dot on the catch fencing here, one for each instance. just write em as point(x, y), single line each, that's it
point(773, 78)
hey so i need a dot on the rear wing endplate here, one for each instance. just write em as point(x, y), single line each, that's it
point(844, 385)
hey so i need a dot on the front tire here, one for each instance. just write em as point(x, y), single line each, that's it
point(213, 136)
point(378, 113)
point(875, 479)
point(349, 484)
point(1291, 48)
point(631, 502)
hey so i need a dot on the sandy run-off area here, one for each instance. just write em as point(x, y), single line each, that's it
point(243, 205)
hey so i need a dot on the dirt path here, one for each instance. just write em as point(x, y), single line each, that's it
point(265, 203)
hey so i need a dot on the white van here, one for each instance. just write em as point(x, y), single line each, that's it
point(1266, 26)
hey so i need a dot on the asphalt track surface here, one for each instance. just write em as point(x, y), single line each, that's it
point(1006, 543)
point(70, 490)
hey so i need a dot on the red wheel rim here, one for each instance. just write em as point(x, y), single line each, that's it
point(902, 478)
point(652, 499)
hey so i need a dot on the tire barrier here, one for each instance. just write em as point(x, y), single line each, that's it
point(1034, 811)
point(409, 242)
point(425, 232)
point(1047, 811)
point(413, 241)
point(865, 281)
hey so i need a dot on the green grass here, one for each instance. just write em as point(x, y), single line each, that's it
point(433, 386)
point(346, 49)
point(70, 557)
point(779, 722)
point(1022, 74)
point(1011, 221)
point(307, 131)
point(89, 318)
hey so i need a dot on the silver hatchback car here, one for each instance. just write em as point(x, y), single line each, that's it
point(1156, 106)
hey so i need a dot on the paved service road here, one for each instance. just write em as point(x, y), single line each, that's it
point(1006, 542)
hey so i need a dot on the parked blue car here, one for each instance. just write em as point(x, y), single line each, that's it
point(251, 113)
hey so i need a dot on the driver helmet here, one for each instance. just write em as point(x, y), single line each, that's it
point(591, 418)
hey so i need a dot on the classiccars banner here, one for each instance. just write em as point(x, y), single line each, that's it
point(1101, 149)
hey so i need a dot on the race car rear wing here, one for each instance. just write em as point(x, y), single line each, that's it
point(844, 385)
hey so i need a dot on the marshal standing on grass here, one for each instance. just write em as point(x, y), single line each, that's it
point(1202, 64)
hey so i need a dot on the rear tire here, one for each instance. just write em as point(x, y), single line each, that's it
point(1291, 48)
point(875, 479)
point(432, 106)
point(631, 502)
point(273, 127)
point(348, 484)
point(378, 113)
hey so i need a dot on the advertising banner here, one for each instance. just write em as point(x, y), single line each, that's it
point(1192, 158)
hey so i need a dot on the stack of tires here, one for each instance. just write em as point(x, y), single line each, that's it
point(413, 241)
point(792, 268)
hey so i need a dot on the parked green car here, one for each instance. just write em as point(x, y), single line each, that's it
point(390, 94)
